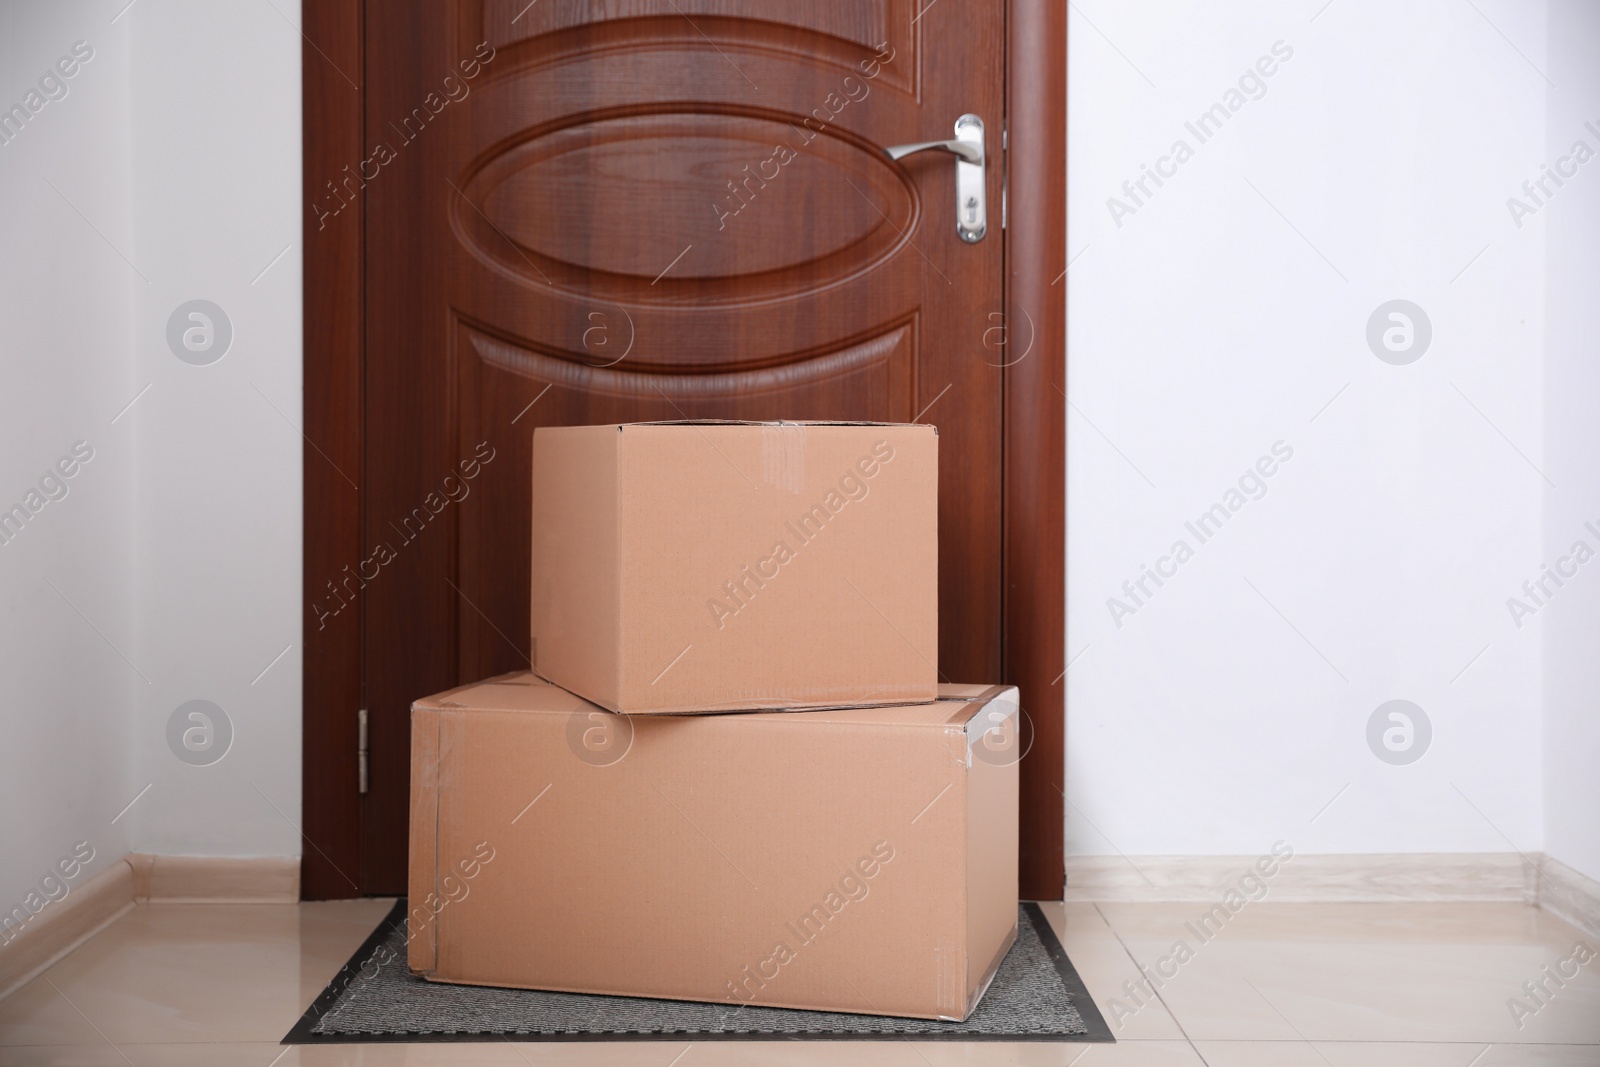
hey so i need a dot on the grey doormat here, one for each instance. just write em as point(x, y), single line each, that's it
point(1036, 995)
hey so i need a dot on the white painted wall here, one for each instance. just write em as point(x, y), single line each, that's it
point(1229, 312)
point(66, 312)
point(215, 105)
point(1571, 621)
point(178, 148)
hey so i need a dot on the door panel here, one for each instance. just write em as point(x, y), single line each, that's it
point(863, 23)
point(652, 210)
point(621, 215)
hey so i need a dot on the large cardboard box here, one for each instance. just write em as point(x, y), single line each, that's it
point(707, 566)
point(859, 860)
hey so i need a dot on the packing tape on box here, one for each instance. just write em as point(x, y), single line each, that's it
point(783, 455)
point(998, 724)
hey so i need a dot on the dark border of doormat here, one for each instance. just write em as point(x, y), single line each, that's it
point(303, 1034)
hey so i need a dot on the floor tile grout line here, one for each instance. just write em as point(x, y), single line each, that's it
point(1154, 991)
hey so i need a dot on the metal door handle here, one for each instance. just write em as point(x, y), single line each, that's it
point(969, 152)
point(967, 147)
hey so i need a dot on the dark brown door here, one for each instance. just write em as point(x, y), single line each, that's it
point(640, 210)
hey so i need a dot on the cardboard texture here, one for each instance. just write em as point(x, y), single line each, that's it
point(692, 567)
point(860, 860)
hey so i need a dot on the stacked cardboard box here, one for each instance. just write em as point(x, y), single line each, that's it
point(845, 840)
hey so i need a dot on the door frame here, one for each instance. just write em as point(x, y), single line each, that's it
point(1033, 488)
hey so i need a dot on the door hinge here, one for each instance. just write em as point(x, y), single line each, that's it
point(361, 751)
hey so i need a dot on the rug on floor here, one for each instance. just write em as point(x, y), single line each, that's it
point(1036, 995)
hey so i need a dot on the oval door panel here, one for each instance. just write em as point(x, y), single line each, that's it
point(669, 207)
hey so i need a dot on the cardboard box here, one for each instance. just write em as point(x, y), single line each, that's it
point(860, 860)
point(686, 567)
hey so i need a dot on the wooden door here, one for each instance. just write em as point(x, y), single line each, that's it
point(651, 209)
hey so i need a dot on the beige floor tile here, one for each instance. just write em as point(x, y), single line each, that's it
point(1532, 1056)
point(1075, 922)
point(1429, 973)
point(37, 1014)
point(61, 1056)
point(1392, 1054)
point(1107, 970)
point(937, 1054)
point(263, 1054)
point(446, 1054)
point(1122, 1054)
point(621, 1054)
point(1125, 1053)
point(1109, 974)
point(186, 973)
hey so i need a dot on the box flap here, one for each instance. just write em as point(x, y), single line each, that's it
point(514, 691)
point(525, 692)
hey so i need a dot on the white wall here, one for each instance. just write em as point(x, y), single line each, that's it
point(215, 94)
point(66, 312)
point(1228, 313)
point(1571, 622)
point(180, 541)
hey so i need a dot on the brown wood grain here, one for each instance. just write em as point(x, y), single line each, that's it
point(561, 203)
point(1035, 429)
point(526, 256)
point(331, 680)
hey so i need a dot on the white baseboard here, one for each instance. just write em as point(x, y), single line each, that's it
point(1569, 895)
point(1531, 878)
point(215, 879)
point(1426, 878)
point(64, 924)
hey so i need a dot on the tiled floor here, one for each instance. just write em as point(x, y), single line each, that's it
point(1282, 985)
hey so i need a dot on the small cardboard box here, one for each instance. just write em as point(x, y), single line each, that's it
point(859, 860)
point(690, 567)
